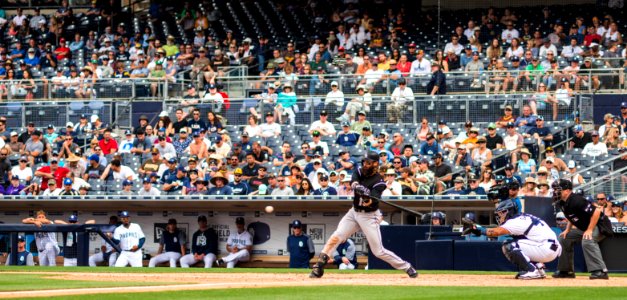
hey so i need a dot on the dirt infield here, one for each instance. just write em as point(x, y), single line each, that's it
point(202, 281)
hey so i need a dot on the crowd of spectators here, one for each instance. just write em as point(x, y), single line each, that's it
point(191, 154)
point(505, 51)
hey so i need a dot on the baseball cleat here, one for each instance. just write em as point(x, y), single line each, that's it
point(317, 271)
point(599, 275)
point(411, 272)
point(540, 267)
point(563, 274)
point(535, 274)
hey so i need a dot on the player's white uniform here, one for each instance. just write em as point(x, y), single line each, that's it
point(100, 257)
point(534, 238)
point(239, 240)
point(48, 248)
point(128, 238)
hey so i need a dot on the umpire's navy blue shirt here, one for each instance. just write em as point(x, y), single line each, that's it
point(301, 250)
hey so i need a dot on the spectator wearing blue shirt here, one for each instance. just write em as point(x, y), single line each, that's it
point(392, 75)
point(509, 175)
point(221, 186)
point(77, 43)
point(430, 147)
point(181, 144)
point(347, 138)
point(169, 174)
point(473, 186)
point(458, 187)
point(345, 163)
point(18, 52)
point(526, 121)
point(238, 186)
point(325, 189)
point(31, 59)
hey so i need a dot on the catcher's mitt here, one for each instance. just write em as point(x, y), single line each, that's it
point(469, 227)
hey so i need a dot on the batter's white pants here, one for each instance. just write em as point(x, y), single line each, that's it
point(539, 252)
point(48, 257)
point(130, 257)
point(189, 260)
point(232, 259)
point(70, 262)
point(344, 266)
point(97, 258)
point(369, 224)
point(172, 257)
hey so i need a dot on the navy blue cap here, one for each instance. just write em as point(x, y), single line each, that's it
point(297, 224)
point(124, 214)
point(127, 182)
point(346, 124)
point(514, 58)
point(20, 238)
point(240, 220)
point(172, 160)
point(72, 219)
point(212, 86)
point(15, 177)
point(623, 105)
point(146, 179)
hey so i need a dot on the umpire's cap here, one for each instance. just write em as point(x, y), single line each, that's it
point(124, 214)
point(240, 220)
point(371, 156)
point(172, 221)
point(73, 219)
point(297, 224)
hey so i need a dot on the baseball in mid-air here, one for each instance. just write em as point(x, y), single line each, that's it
point(269, 209)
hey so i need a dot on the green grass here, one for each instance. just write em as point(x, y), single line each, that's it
point(374, 292)
point(244, 270)
point(23, 282)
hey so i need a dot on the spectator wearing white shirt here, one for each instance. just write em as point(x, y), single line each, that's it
point(316, 142)
point(392, 187)
point(52, 189)
point(510, 33)
point(420, 66)
point(19, 19)
point(213, 97)
point(470, 31)
point(454, 46)
point(571, 50)
point(323, 125)
point(400, 96)
point(165, 148)
point(546, 46)
point(147, 189)
point(334, 102)
point(270, 128)
point(34, 20)
point(22, 170)
point(594, 148)
point(372, 76)
point(119, 171)
point(515, 49)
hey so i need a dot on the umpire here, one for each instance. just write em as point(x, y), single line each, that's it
point(583, 218)
point(300, 246)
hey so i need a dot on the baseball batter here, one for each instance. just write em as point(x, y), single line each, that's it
point(107, 252)
point(239, 245)
point(131, 238)
point(533, 242)
point(46, 241)
point(204, 246)
point(368, 186)
point(173, 240)
point(24, 258)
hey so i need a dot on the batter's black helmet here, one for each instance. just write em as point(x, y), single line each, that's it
point(505, 211)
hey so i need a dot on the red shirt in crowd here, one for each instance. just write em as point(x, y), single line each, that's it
point(108, 147)
point(59, 174)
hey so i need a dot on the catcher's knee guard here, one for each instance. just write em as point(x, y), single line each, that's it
point(513, 253)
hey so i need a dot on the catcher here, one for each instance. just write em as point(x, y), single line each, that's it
point(533, 243)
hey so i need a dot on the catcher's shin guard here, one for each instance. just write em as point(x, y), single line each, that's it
point(318, 268)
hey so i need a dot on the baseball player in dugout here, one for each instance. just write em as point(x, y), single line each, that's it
point(365, 215)
point(587, 224)
point(204, 245)
point(24, 258)
point(107, 252)
point(533, 242)
point(131, 239)
point(238, 245)
point(300, 246)
point(173, 242)
point(70, 247)
point(46, 241)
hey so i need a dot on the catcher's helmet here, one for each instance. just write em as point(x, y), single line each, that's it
point(505, 211)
